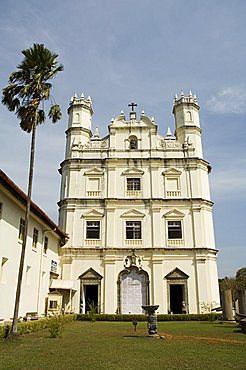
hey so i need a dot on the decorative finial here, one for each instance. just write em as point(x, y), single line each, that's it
point(176, 97)
point(96, 134)
point(182, 94)
point(190, 94)
point(71, 100)
point(122, 113)
point(82, 96)
point(143, 112)
point(89, 98)
point(75, 95)
point(194, 97)
point(152, 119)
point(112, 119)
point(169, 135)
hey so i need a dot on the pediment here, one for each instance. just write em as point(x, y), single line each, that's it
point(133, 171)
point(174, 213)
point(90, 274)
point(94, 171)
point(176, 274)
point(92, 214)
point(133, 213)
point(172, 171)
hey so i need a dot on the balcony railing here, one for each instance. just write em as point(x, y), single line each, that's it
point(133, 242)
point(134, 193)
point(173, 193)
point(93, 242)
point(93, 193)
point(175, 242)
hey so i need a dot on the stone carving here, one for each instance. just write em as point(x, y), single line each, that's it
point(133, 261)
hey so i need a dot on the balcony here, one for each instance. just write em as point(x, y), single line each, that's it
point(93, 242)
point(133, 242)
point(134, 193)
point(173, 193)
point(93, 193)
point(175, 242)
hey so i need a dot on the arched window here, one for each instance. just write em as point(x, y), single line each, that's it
point(77, 118)
point(133, 142)
point(188, 116)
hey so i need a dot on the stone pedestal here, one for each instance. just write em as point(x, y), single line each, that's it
point(227, 308)
point(152, 320)
point(242, 302)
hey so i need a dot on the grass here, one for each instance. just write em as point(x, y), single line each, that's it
point(114, 345)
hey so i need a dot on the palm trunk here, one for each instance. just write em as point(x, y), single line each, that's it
point(27, 215)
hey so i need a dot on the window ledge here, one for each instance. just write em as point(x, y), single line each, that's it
point(173, 193)
point(134, 193)
point(93, 242)
point(94, 193)
point(132, 242)
point(175, 242)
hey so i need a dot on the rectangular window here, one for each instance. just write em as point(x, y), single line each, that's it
point(174, 230)
point(133, 184)
point(28, 272)
point(92, 229)
point(46, 243)
point(3, 270)
point(93, 184)
point(21, 229)
point(172, 184)
point(53, 305)
point(133, 230)
point(35, 238)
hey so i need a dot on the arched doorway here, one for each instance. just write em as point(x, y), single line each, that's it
point(133, 291)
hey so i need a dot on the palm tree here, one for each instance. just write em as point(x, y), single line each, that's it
point(28, 87)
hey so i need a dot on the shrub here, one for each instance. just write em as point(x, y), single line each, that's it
point(4, 331)
point(56, 325)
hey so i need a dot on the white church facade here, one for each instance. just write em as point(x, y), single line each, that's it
point(137, 209)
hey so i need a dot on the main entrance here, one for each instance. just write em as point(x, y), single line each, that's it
point(133, 286)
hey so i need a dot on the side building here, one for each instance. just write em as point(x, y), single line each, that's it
point(137, 209)
point(42, 265)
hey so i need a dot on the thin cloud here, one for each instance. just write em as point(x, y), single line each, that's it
point(228, 100)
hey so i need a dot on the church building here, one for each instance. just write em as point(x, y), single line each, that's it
point(137, 209)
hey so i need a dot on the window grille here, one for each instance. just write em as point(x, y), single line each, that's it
point(133, 230)
point(174, 230)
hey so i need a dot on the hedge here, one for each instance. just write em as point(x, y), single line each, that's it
point(127, 317)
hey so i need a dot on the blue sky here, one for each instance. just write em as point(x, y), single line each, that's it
point(142, 51)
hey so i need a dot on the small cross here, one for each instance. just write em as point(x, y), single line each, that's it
point(132, 105)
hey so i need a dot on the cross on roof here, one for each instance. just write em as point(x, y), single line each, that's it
point(132, 105)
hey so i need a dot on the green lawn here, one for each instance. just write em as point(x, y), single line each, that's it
point(113, 345)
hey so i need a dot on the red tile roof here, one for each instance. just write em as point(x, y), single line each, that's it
point(20, 195)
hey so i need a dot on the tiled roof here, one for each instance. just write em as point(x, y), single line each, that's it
point(21, 196)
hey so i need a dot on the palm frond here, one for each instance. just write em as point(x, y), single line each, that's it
point(30, 84)
point(55, 113)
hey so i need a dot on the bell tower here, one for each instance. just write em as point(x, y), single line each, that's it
point(79, 122)
point(187, 121)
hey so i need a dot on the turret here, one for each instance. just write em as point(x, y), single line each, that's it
point(187, 121)
point(79, 122)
